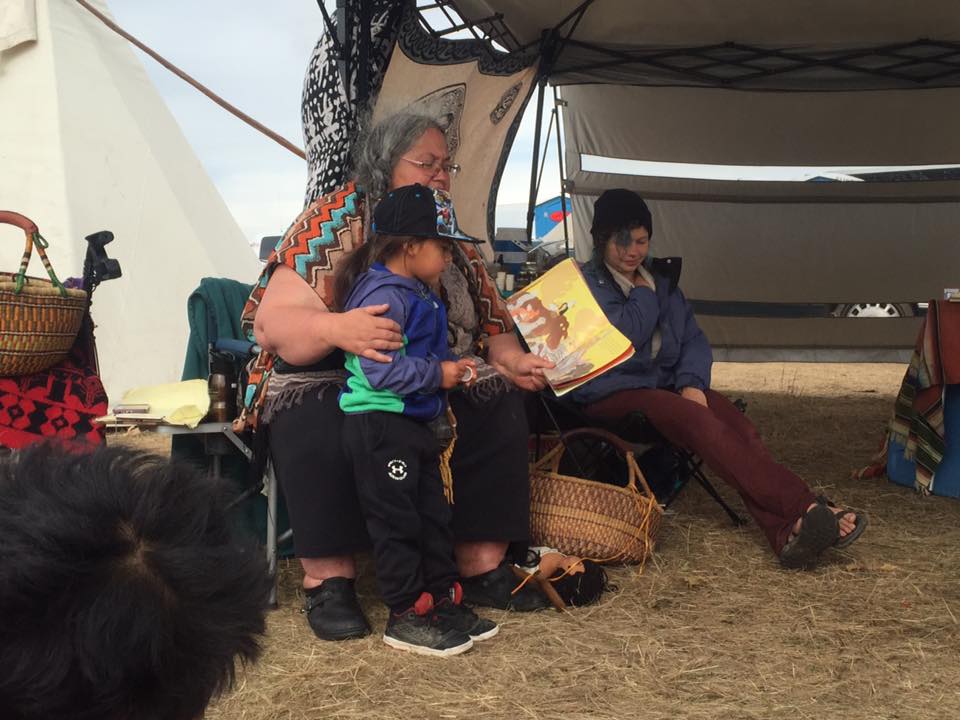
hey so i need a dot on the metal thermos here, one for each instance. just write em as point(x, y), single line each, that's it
point(219, 388)
point(222, 385)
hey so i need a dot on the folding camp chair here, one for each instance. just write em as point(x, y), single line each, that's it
point(657, 458)
point(667, 467)
point(218, 351)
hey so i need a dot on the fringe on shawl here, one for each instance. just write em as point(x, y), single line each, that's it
point(286, 391)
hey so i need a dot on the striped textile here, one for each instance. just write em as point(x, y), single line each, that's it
point(313, 246)
point(317, 239)
point(917, 421)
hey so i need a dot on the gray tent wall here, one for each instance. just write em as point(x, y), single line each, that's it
point(784, 242)
point(753, 82)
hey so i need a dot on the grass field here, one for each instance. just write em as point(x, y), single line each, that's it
point(712, 628)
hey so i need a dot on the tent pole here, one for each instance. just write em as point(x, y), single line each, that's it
point(557, 104)
point(546, 147)
point(531, 207)
point(345, 38)
point(331, 31)
point(363, 62)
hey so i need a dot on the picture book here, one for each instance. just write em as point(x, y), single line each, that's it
point(561, 321)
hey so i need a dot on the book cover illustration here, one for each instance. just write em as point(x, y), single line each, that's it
point(561, 321)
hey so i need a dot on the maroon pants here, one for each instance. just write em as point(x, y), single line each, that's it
point(730, 446)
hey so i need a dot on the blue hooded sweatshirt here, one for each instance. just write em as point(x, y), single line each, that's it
point(684, 358)
point(410, 384)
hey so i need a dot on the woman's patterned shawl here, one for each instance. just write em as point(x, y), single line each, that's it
point(322, 234)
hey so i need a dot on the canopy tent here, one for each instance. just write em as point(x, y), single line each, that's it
point(780, 45)
point(756, 83)
point(87, 144)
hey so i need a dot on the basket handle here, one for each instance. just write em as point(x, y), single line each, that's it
point(33, 238)
point(618, 442)
point(551, 460)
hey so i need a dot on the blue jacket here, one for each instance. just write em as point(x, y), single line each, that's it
point(684, 359)
point(410, 384)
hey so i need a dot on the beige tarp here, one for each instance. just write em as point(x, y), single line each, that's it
point(695, 22)
point(723, 127)
point(18, 23)
point(803, 253)
point(479, 108)
point(803, 26)
point(799, 83)
point(811, 339)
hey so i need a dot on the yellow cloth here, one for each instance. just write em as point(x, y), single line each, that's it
point(181, 403)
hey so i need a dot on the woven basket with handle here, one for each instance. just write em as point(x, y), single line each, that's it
point(590, 519)
point(39, 318)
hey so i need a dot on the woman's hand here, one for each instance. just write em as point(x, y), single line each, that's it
point(638, 281)
point(695, 394)
point(294, 323)
point(523, 369)
point(527, 372)
point(362, 332)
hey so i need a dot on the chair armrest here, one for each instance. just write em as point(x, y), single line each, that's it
point(237, 347)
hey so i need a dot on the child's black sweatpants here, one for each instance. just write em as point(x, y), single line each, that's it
point(396, 465)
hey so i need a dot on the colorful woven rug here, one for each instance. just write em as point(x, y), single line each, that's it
point(60, 402)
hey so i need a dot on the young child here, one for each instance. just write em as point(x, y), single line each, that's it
point(125, 591)
point(388, 408)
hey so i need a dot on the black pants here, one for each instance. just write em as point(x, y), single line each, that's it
point(491, 489)
point(396, 468)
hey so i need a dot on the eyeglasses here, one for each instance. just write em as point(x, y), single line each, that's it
point(435, 166)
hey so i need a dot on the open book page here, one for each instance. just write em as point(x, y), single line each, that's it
point(561, 321)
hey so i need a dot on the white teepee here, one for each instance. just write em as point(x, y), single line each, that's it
point(87, 144)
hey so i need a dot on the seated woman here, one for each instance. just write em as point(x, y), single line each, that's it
point(295, 383)
point(668, 380)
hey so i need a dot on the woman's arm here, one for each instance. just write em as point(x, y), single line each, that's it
point(295, 324)
point(505, 353)
point(635, 315)
point(696, 356)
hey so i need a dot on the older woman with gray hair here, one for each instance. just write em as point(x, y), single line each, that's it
point(295, 384)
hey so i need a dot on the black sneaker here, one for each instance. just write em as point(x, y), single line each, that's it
point(459, 616)
point(495, 589)
point(334, 613)
point(423, 631)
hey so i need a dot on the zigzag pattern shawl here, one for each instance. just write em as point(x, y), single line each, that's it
point(328, 228)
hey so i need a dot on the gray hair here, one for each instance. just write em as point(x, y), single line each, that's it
point(379, 150)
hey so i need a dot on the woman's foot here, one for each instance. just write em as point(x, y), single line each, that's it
point(813, 533)
point(496, 589)
point(333, 611)
point(849, 526)
point(851, 523)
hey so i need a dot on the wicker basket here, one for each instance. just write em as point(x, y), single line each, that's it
point(589, 519)
point(39, 319)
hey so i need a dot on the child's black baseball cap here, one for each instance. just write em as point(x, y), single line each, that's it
point(418, 211)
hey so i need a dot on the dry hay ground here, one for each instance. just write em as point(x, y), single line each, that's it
point(711, 629)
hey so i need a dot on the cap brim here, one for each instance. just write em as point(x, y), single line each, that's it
point(439, 236)
point(460, 237)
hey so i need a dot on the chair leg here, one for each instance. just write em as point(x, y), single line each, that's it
point(697, 473)
point(674, 493)
point(272, 532)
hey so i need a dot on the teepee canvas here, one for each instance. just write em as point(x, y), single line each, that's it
point(87, 144)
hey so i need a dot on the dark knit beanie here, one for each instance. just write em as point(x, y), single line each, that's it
point(619, 209)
